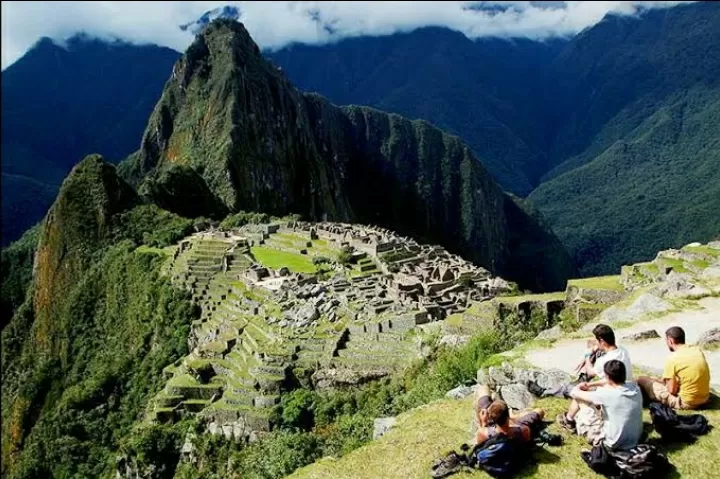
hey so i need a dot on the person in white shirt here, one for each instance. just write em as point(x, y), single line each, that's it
point(605, 337)
point(620, 413)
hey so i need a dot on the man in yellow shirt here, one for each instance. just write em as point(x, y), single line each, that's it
point(686, 378)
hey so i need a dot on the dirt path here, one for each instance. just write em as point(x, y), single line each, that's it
point(649, 355)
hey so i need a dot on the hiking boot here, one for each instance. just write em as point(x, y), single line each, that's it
point(448, 465)
point(566, 423)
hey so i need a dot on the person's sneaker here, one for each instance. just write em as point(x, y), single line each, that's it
point(565, 422)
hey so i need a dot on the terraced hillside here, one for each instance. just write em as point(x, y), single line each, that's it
point(326, 305)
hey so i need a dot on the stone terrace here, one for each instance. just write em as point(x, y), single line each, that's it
point(264, 327)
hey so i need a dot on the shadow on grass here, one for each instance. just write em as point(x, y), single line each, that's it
point(541, 455)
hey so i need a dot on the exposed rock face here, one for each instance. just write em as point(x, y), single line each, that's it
point(231, 118)
point(460, 392)
point(649, 334)
point(382, 425)
point(711, 337)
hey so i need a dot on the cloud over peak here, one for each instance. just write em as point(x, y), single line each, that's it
point(276, 24)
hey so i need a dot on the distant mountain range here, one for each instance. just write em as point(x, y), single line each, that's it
point(609, 132)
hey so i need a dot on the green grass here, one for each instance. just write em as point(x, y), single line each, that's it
point(702, 249)
point(426, 433)
point(276, 259)
point(599, 282)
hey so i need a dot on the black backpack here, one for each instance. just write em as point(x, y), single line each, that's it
point(641, 462)
point(500, 456)
point(675, 428)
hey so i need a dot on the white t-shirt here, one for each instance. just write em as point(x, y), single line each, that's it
point(622, 414)
point(618, 353)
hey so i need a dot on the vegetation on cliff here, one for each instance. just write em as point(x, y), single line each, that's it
point(85, 350)
point(250, 141)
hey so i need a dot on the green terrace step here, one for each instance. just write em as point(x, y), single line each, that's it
point(164, 414)
point(382, 364)
point(233, 399)
point(267, 369)
point(373, 355)
point(380, 346)
point(195, 405)
point(186, 386)
point(166, 401)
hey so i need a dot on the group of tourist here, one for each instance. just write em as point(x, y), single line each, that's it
point(606, 406)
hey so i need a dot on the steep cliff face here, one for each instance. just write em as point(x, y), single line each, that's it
point(230, 117)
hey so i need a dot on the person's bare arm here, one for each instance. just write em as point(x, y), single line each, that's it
point(580, 395)
point(480, 436)
point(672, 385)
point(596, 384)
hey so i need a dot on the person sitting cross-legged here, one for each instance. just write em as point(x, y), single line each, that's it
point(605, 338)
point(618, 422)
point(686, 376)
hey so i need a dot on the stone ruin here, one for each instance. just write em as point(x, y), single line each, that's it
point(262, 329)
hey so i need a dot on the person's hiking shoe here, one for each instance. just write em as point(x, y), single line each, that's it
point(566, 423)
point(448, 465)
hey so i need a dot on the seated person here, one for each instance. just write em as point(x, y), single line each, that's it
point(496, 420)
point(605, 337)
point(483, 401)
point(686, 377)
point(620, 416)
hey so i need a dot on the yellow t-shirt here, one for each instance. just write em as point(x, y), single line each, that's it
point(688, 365)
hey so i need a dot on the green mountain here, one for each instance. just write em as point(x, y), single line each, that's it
point(98, 323)
point(488, 91)
point(61, 103)
point(231, 133)
point(642, 172)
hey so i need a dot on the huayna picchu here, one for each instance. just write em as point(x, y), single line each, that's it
point(231, 133)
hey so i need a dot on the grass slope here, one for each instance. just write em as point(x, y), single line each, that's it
point(276, 259)
point(426, 433)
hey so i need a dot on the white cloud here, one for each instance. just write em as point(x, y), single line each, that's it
point(275, 24)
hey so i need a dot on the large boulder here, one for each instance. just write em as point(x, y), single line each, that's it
point(710, 337)
point(517, 396)
point(553, 333)
point(461, 392)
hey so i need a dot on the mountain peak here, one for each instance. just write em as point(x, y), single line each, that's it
point(226, 12)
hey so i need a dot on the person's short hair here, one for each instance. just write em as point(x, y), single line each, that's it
point(498, 413)
point(604, 332)
point(677, 334)
point(615, 371)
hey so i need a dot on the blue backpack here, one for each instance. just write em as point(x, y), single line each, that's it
point(500, 456)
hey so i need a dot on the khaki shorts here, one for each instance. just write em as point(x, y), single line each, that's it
point(589, 423)
point(658, 392)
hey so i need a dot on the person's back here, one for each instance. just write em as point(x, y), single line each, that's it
point(622, 414)
point(618, 353)
point(689, 366)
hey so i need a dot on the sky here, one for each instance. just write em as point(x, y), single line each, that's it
point(275, 24)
